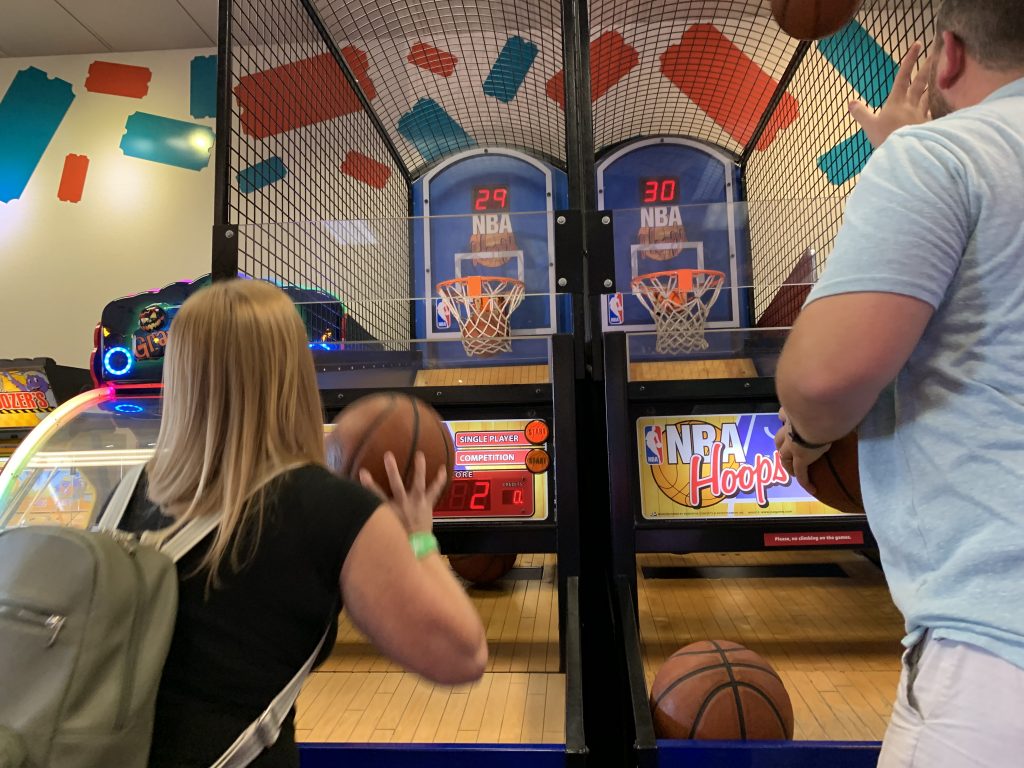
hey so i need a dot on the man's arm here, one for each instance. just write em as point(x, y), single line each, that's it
point(842, 352)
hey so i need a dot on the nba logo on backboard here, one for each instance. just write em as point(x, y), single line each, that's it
point(615, 315)
point(442, 315)
point(655, 445)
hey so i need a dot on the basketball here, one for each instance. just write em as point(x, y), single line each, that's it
point(814, 19)
point(482, 569)
point(716, 689)
point(389, 421)
point(836, 477)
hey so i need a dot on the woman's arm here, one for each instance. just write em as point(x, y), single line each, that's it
point(415, 611)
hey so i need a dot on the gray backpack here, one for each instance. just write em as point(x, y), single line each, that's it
point(86, 620)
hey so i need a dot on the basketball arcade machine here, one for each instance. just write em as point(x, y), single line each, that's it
point(491, 351)
point(690, 397)
point(29, 390)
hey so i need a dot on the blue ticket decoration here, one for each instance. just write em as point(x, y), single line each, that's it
point(862, 61)
point(203, 86)
point(846, 159)
point(510, 68)
point(261, 174)
point(30, 113)
point(433, 131)
point(171, 142)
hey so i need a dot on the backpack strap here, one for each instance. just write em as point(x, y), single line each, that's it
point(120, 499)
point(263, 732)
point(175, 546)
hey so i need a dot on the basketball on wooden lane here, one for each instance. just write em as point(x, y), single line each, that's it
point(716, 689)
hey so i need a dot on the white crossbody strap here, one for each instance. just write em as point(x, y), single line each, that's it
point(176, 546)
point(119, 501)
point(264, 731)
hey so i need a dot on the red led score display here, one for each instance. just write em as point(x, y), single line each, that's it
point(659, 190)
point(488, 493)
point(488, 199)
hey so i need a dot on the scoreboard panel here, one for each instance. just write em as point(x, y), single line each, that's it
point(676, 205)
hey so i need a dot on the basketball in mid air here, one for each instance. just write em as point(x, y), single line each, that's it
point(814, 19)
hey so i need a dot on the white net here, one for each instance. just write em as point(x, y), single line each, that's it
point(679, 301)
point(482, 307)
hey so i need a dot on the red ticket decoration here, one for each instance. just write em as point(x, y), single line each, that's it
point(301, 93)
point(118, 79)
point(727, 84)
point(365, 169)
point(72, 180)
point(432, 59)
point(611, 59)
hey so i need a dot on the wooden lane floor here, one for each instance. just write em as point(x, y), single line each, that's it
point(833, 639)
point(492, 375)
point(359, 696)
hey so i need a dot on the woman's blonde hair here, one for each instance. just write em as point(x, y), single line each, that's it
point(241, 406)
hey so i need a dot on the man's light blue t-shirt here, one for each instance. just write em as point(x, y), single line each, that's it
point(938, 214)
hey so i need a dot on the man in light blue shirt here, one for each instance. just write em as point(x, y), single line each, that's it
point(915, 336)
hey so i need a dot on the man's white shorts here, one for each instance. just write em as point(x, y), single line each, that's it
point(957, 705)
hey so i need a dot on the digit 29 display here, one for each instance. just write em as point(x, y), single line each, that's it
point(659, 190)
point(490, 198)
point(500, 471)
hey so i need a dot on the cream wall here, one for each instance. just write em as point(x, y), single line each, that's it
point(139, 225)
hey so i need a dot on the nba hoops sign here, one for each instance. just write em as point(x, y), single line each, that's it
point(717, 466)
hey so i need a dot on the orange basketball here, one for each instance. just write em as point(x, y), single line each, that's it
point(814, 19)
point(482, 569)
point(716, 689)
point(836, 477)
point(389, 421)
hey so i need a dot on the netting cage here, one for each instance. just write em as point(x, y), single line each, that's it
point(330, 110)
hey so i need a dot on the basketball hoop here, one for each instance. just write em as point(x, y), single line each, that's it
point(482, 307)
point(679, 301)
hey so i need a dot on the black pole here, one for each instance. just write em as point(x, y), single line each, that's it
point(579, 112)
point(224, 257)
point(787, 77)
point(353, 82)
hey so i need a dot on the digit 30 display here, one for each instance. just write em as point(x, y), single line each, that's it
point(501, 471)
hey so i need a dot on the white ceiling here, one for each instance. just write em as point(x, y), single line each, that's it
point(55, 27)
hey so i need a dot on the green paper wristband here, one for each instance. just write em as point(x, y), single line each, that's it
point(423, 543)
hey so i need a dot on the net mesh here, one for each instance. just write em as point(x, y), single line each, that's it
point(704, 69)
point(458, 75)
point(482, 307)
point(679, 301)
point(797, 187)
point(317, 196)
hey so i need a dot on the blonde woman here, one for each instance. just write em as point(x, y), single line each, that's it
point(242, 434)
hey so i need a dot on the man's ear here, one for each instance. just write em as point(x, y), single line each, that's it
point(951, 63)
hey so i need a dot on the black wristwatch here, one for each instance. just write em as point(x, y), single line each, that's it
point(795, 437)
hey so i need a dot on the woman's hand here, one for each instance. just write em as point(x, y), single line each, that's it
point(415, 506)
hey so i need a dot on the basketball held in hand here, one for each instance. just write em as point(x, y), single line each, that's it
point(836, 477)
point(716, 689)
point(814, 19)
point(389, 421)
